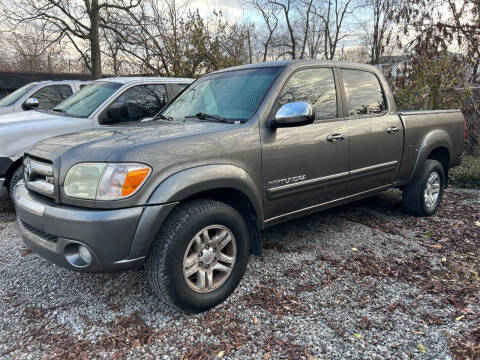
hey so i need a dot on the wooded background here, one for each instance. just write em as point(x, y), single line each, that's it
point(429, 49)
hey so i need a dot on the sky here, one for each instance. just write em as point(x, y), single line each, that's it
point(233, 9)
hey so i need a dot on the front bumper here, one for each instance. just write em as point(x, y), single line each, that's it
point(51, 230)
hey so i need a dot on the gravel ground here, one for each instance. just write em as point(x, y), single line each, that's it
point(362, 281)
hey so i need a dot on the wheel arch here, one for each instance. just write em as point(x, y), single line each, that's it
point(436, 145)
point(225, 183)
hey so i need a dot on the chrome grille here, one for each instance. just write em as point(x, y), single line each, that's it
point(38, 176)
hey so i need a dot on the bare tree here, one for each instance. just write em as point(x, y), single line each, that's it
point(77, 21)
point(333, 17)
point(286, 7)
point(270, 17)
point(379, 27)
point(169, 39)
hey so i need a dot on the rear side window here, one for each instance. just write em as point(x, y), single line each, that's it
point(314, 86)
point(51, 95)
point(364, 93)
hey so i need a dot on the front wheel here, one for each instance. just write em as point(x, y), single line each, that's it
point(199, 256)
point(423, 196)
point(16, 177)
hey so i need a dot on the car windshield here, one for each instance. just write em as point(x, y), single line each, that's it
point(17, 94)
point(83, 103)
point(230, 95)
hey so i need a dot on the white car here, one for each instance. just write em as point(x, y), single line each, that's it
point(41, 95)
point(100, 104)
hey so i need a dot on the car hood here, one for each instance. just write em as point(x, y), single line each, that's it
point(6, 109)
point(25, 118)
point(99, 144)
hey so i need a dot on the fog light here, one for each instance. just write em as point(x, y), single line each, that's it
point(85, 254)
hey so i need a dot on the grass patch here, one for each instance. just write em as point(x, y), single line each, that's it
point(467, 174)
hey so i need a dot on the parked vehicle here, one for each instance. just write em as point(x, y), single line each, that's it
point(240, 150)
point(41, 95)
point(98, 105)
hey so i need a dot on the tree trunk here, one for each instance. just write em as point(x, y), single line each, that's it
point(96, 55)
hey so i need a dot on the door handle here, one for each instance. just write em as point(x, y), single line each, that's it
point(393, 129)
point(335, 137)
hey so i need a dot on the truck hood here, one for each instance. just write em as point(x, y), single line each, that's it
point(99, 144)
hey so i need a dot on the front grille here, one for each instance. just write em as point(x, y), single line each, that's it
point(38, 176)
point(42, 234)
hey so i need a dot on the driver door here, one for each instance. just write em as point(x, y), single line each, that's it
point(307, 165)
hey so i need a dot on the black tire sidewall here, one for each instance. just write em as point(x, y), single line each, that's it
point(430, 167)
point(181, 293)
point(16, 177)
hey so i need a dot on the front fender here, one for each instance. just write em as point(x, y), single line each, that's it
point(181, 186)
point(192, 181)
point(431, 141)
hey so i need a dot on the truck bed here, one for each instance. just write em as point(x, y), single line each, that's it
point(422, 128)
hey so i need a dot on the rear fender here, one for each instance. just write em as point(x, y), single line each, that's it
point(431, 141)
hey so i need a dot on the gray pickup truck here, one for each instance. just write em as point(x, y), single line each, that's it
point(239, 150)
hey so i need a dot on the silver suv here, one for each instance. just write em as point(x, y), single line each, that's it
point(41, 95)
point(97, 105)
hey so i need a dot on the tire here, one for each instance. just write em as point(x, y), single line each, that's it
point(16, 177)
point(415, 201)
point(177, 244)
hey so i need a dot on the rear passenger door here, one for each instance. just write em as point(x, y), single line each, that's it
point(376, 135)
point(303, 166)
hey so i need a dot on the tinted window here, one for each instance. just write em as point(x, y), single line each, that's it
point(155, 99)
point(51, 95)
point(314, 86)
point(231, 94)
point(182, 86)
point(364, 93)
point(85, 101)
point(17, 94)
point(141, 102)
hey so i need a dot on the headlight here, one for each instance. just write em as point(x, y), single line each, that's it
point(102, 181)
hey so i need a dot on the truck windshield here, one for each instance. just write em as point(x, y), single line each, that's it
point(230, 95)
point(83, 103)
point(17, 94)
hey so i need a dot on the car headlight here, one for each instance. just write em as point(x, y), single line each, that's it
point(103, 181)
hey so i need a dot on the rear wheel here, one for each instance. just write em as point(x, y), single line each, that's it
point(199, 256)
point(423, 196)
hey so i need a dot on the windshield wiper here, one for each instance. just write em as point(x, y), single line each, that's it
point(161, 117)
point(63, 111)
point(215, 118)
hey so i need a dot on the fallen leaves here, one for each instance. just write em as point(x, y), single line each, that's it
point(422, 348)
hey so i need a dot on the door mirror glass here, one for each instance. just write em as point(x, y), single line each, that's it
point(293, 114)
point(116, 113)
point(30, 103)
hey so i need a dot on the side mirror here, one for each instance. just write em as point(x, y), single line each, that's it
point(116, 113)
point(30, 103)
point(292, 114)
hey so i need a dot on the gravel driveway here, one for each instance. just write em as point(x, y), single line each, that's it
point(362, 281)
